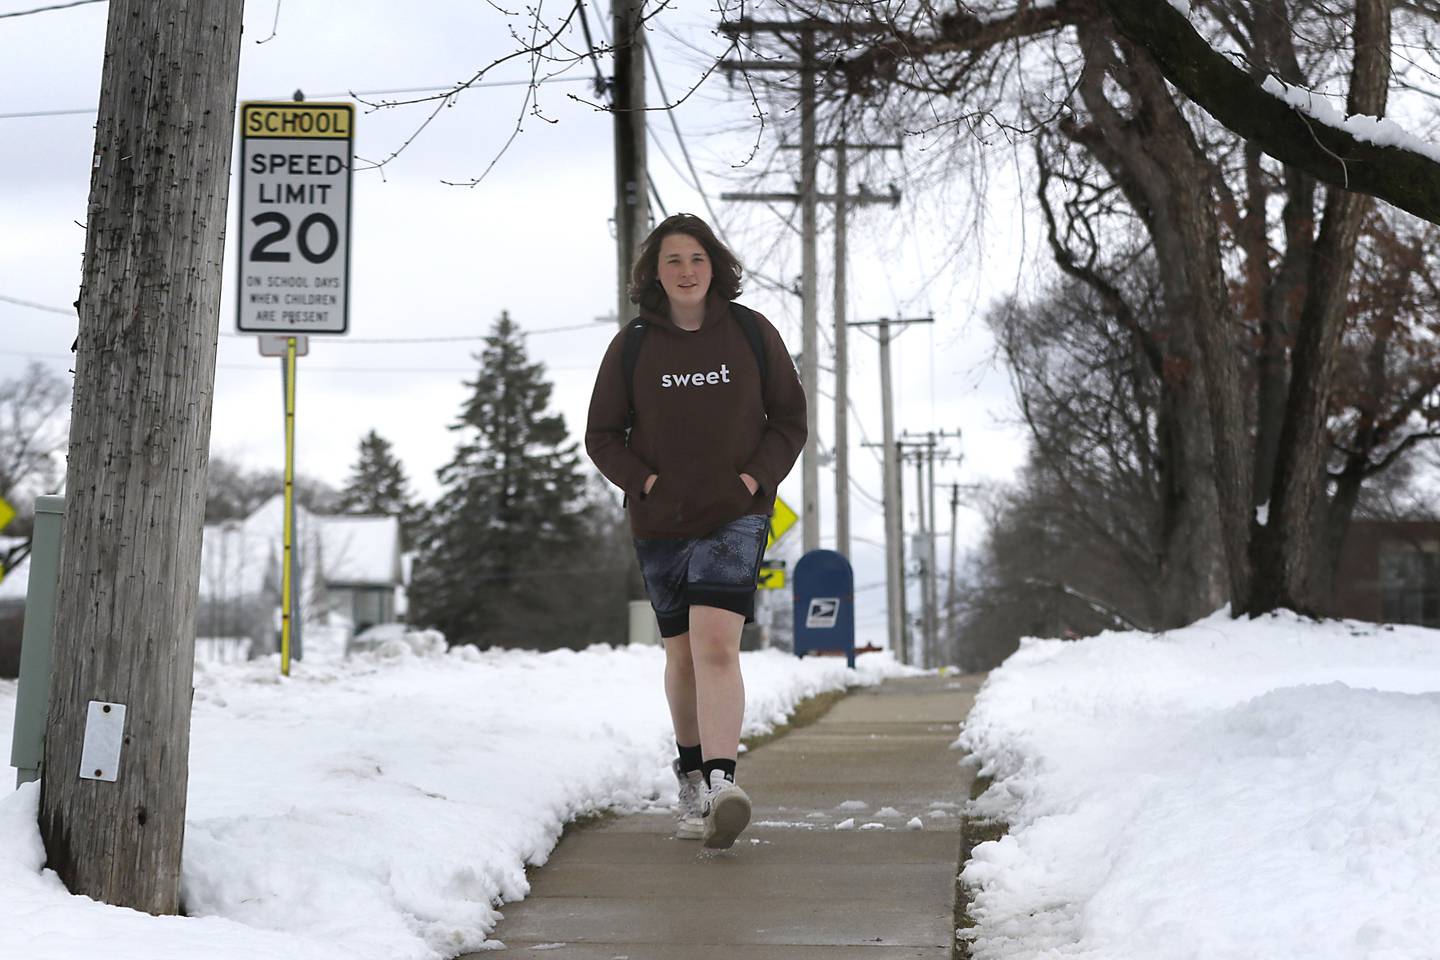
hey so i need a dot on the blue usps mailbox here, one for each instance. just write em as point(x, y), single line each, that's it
point(825, 604)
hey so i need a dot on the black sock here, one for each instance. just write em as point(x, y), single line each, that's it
point(690, 757)
point(726, 767)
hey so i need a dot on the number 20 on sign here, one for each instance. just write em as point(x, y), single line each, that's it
point(294, 236)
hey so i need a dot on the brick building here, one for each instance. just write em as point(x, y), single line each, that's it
point(1389, 572)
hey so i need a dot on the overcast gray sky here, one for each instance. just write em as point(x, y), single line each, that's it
point(534, 238)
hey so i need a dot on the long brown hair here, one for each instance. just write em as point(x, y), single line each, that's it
point(725, 267)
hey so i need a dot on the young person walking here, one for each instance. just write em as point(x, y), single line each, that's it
point(697, 414)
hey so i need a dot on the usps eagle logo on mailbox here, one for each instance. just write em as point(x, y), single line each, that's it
point(823, 613)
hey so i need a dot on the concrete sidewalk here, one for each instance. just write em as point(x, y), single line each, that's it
point(794, 887)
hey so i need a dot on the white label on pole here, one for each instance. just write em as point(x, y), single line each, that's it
point(274, 345)
point(823, 613)
point(104, 735)
point(294, 238)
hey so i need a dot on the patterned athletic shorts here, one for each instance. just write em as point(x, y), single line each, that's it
point(716, 570)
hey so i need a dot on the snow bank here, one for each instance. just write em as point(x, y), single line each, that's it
point(1234, 789)
point(382, 807)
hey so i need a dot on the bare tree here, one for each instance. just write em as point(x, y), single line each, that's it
point(234, 491)
point(1104, 74)
point(1200, 119)
point(32, 436)
point(1386, 402)
point(1036, 574)
point(1102, 415)
point(32, 429)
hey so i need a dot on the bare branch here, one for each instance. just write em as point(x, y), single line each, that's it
point(1403, 177)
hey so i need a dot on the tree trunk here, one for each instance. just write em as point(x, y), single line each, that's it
point(1158, 164)
point(1334, 523)
point(1192, 581)
point(139, 440)
point(1284, 548)
point(1279, 304)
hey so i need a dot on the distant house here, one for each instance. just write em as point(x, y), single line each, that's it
point(360, 564)
point(350, 577)
point(1389, 572)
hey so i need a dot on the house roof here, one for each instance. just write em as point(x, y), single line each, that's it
point(238, 556)
point(345, 550)
point(360, 549)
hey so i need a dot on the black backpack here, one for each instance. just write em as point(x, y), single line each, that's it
point(635, 337)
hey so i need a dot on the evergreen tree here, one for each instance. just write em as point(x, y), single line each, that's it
point(506, 552)
point(377, 482)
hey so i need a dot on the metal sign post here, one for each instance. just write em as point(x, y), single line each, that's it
point(290, 642)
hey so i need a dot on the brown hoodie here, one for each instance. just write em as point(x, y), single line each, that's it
point(700, 422)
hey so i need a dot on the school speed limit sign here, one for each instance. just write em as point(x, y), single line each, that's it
point(295, 166)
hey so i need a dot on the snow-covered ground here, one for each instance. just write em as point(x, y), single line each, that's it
point(382, 807)
point(1236, 789)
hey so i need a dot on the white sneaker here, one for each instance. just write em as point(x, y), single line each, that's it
point(727, 812)
point(690, 805)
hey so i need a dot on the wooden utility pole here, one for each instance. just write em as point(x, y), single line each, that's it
point(926, 452)
point(920, 450)
point(843, 201)
point(933, 603)
point(808, 196)
point(924, 553)
point(894, 516)
point(809, 350)
point(139, 438)
point(627, 106)
point(906, 648)
point(842, 358)
point(951, 599)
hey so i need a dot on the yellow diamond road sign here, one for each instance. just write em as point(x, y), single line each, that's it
point(7, 513)
point(772, 575)
point(783, 519)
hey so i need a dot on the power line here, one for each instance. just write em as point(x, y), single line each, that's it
point(55, 6)
point(464, 338)
point(694, 181)
point(680, 139)
point(38, 306)
point(459, 338)
point(65, 358)
point(600, 85)
point(316, 96)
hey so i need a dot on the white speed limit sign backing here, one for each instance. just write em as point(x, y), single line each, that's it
point(295, 166)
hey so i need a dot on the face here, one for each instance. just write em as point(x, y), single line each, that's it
point(683, 269)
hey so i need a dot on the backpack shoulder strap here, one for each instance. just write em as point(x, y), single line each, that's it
point(629, 357)
point(750, 323)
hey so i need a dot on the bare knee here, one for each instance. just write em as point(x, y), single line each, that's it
point(678, 658)
point(714, 655)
